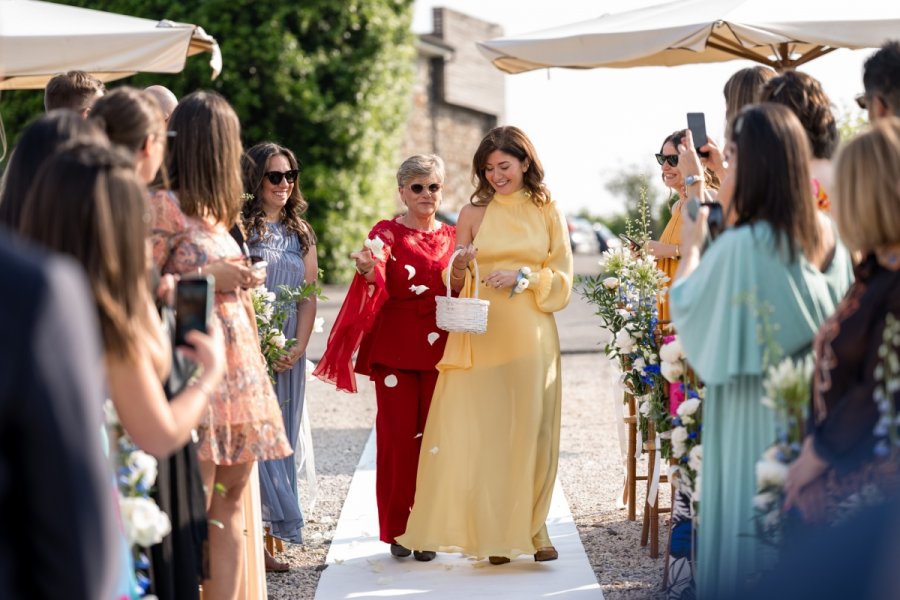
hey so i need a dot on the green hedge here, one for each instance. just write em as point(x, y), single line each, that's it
point(330, 80)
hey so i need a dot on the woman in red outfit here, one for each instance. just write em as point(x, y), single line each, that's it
point(389, 316)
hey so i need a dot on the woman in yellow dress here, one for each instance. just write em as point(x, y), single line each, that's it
point(491, 444)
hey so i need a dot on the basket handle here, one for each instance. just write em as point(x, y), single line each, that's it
point(450, 264)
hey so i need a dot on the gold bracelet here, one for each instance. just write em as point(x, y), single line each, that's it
point(453, 275)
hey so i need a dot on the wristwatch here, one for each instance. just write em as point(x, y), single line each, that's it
point(692, 179)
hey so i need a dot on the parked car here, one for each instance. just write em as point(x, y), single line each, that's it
point(606, 238)
point(582, 237)
point(446, 217)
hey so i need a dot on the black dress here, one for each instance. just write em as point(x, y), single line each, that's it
point(180, 562)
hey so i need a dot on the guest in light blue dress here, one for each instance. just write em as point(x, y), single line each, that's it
point(278, 234)
point(783, 256)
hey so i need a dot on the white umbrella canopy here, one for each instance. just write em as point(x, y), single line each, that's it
point(41, 39)
point(780, 33)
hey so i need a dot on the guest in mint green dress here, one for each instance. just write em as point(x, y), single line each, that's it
point(783, 256)
point(277, 233)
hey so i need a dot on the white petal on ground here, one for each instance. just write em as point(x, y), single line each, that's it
point(433, 337)
point(411, 270)
point(390, 381)
point(377, 567)
point(384, 580)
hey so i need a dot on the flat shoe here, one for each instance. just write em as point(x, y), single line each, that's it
point(400, 551)
point(424, 555)
point(498, 560)
point(545, 554)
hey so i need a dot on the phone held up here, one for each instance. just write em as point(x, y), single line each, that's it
point(633, 243)
point(715, 220)
point(193, 306)
point(697, 124)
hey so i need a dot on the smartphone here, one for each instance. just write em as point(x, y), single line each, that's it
point(693, 208)
point(697, 124)
point(628, 240)
point(260, 264)
point(715, 220)
point(193, 306)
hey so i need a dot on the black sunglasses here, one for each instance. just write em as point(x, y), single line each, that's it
point(862, 101)
point(433, 188)
point(275, 177)
point(672, 159)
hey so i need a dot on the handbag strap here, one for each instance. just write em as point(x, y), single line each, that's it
point(450, 264)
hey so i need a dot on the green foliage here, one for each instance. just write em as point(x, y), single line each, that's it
point(850, 121)
point(330, 80)
point(635, 187)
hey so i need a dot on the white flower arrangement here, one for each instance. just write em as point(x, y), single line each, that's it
point(144, 523)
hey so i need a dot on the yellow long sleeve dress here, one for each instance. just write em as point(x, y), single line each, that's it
point(491, 443)
point(670, 235)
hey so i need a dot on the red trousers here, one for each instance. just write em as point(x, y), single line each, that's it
point(399, 424)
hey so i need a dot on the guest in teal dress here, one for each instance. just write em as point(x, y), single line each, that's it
point(278, 234)
point(781, 256)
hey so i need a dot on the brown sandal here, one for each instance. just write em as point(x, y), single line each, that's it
point(498, 560)
point(546, 553)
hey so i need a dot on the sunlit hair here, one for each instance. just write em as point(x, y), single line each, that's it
point(254, 164)
point(420, 165)
point(514, 142)
point(74, 90)
point(39, 140)
point(675, 138)
point(88, 203)
point(867, 187)
point(204, 160)
point(804, 95)
point(742, 89)
point(881, 75)
point(772, 181)
point(129, 116)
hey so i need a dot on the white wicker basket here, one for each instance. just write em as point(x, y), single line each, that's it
point(465, 315)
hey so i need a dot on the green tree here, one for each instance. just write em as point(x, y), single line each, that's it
point(330, 80)
point(629, 184)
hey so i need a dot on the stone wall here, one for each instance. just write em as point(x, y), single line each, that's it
point(458, 96)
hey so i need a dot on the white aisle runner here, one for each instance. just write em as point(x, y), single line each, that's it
point(361, 566)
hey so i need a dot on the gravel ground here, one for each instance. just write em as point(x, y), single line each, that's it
point(590, 471)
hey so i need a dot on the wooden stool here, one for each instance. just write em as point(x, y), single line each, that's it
point(631, 476)
point(273, 544)
point(650, 526)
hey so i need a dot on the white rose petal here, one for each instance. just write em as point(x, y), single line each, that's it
point(390, 381)
point(418, 289)
point(319, 325)
point(695, 458)
point(433, 337)
point(376, 247)
point(410, 270)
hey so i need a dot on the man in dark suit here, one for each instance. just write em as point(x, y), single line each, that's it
point(57, 527)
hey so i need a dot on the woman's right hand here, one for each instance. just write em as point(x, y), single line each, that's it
point(365, 262)
point(230, 274)
point(465, 256)
point(715, 161)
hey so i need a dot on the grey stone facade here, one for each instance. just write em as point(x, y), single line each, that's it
point(458, 96)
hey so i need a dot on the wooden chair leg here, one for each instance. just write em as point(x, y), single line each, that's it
point(631, 461)
point(279, 545)
point(270, 543)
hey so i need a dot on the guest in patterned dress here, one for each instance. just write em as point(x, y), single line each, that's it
point(243, 423)
point(847, 450)
point(278, 234)
point(389, 315)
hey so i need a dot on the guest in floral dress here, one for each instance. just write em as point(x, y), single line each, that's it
point(847, 450)
point(278, 234)
point(389, 315)
point(243, 423)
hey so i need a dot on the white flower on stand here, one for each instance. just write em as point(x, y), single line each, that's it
point(688, 407)
point(672, 352)
point(624, 342)
point(695, 458)
point(611, 283)
point(672, 371)
point(680, 437)
point(770, 474)
point(145, 524)
point(143, 469)
point(645, 406)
